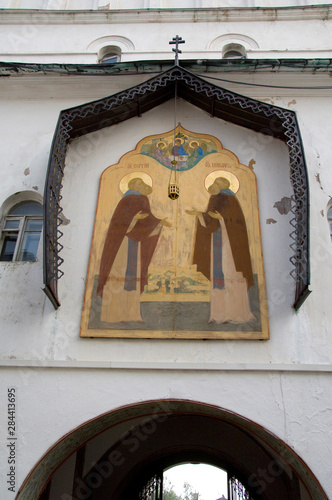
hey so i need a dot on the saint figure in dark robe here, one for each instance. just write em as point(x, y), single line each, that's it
point(130, 242)
point(221, 253)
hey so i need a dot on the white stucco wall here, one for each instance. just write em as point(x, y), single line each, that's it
point(33, 332)
point(53, 402)
point(283, 384)
point(294, 336)
point(77, 37)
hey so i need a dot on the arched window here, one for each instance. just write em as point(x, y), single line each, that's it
point(20, 232)
point(109, 55)
point(234, 51)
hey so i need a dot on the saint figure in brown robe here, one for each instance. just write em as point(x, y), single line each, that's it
point(221, 253)
point(130, 242)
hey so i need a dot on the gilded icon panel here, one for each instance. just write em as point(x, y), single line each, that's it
point(189, 267)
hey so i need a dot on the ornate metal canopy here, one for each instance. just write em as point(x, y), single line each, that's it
point(229, 106)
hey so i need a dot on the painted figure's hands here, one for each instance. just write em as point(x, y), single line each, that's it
point(194, 212)
point(140, 216)
point(165, 222)
point(215, 215)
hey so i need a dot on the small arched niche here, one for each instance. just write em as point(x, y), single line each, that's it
point(234, 51)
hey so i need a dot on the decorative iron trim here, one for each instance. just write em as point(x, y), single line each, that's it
point(250, 113)
point(237, 491)
point(153, 490)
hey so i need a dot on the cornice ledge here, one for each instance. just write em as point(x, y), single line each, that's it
point(202, 67)
point(213, 14)
point(171, 365)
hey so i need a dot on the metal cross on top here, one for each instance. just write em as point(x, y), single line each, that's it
point(176, 40)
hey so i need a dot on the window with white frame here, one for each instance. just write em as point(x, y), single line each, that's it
point(20, 232)
point(109, 55)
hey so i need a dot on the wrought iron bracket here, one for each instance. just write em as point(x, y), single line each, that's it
point(227, 105)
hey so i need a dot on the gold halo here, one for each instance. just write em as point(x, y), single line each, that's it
point(191, 142)
point(212, 176)
point(179, 139)
point(161, 142)
point(123, 184)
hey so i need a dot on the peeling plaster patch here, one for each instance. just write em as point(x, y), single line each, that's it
point(269, 100)
point(322, 213)
point(284, 205)
point(292, 102)
point(271, 221)
point(64, 219)
point(319, 181)
point(252, 163)
point(35, 188)
point(27, 171)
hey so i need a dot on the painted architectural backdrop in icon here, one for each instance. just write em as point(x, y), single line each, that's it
point(189, 268)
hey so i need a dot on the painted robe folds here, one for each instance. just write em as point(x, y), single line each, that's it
point(129, 246)
point(221, 253)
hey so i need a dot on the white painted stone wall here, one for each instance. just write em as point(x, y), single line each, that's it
point(52, 402)
point(77, 38)
point(283, 384)
point(294, 336)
